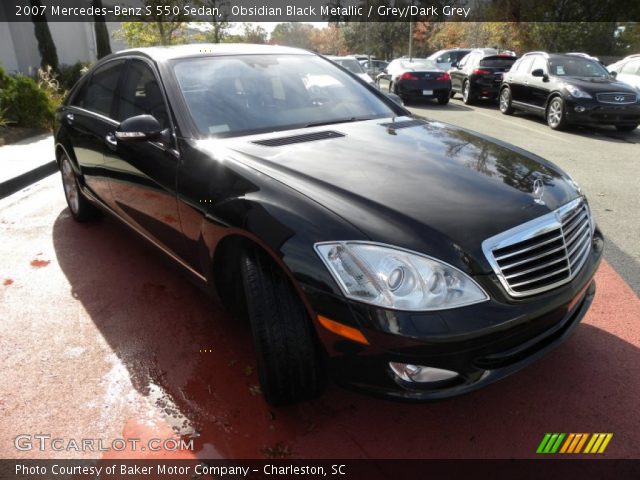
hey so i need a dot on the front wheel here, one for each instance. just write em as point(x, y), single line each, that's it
point(505, 102)
point(626, 128)
point(287, 352)
point(81, 209)
point(556, 118)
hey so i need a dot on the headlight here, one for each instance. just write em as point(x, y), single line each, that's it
point(398, 279)
point(577, 92)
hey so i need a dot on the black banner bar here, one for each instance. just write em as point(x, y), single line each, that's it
point(322, 10)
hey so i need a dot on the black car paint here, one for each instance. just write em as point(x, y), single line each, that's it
point(481, 85)
point(533, 93)
point(428, 188)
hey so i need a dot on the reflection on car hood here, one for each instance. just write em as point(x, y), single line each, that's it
point(430, 187)
point(599, 84)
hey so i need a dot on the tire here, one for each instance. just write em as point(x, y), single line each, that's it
point(443, 100)
point(467, 96)
point(287, 351)
point(452, 94)
point(555, 115)
point(81, 209)
point(626, 128)
point(505, 101)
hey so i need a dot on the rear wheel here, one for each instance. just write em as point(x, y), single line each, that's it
point(626, 128)
point(81, 209)
point(556, 117)
point(505, 101)
point(287, 352)
point(452, 94)
point(443, 100)
point(467, 97)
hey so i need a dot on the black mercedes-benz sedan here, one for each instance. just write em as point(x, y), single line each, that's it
point(402, 256)
point(569, 89)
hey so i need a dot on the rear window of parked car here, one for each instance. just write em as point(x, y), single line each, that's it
point(498, 62)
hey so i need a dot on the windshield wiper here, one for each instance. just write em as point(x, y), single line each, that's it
point(332, 122)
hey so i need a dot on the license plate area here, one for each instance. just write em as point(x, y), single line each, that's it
point(427, 92)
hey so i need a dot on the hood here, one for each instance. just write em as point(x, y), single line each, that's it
point(428, 187)
point(598, 85)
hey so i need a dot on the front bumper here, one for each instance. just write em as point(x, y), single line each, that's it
point(595, 113)
point(482, 343)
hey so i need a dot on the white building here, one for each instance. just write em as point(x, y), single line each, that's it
point(75, 42)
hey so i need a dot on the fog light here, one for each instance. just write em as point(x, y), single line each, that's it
point(418, 373)
point(580, 109)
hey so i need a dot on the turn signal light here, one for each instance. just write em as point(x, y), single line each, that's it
point(343, 330)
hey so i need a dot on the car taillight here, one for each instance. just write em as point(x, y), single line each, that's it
point(479, 71)
point(408, 76)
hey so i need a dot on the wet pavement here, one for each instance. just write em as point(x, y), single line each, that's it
point(101, 337)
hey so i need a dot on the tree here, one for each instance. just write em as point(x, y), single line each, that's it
point(293, 35)
point(46, 47)
point(253, 34)
point(103, 46)
point(382, 39)
point(157, 29)
point(329, 40)
point(219, 25)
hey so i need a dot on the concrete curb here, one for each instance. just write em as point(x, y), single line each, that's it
point(15, 184)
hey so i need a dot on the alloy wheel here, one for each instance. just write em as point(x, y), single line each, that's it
point(554, 116)
point(70, 186)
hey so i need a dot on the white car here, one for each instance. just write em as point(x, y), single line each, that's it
point(448, 58)
point(352, 64)
point(627, 70)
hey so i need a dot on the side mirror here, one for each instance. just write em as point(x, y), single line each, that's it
point(454, 65)
point(139, 129)
point(614, 74)
point(538, 72)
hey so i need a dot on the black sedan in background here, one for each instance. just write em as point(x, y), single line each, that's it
point(409, 258)
point(479, 75)
point(418, 79)
point(569, 89)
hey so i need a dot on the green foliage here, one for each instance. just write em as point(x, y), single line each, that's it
point(292, 34)
point(158, 28)
point(26, 104)
point(48, 83)
point(70, 74)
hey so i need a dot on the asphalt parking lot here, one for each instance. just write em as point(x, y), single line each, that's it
point(100, 338)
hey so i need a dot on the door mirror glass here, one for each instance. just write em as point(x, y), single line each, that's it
point(139, 128)
point(538, 72)
point(613, 73)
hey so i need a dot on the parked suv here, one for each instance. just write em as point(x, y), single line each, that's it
point(479, 74)
point(569, 89)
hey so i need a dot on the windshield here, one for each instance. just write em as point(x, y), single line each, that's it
point(350, 64)
point(239, 95)
point(576, 67)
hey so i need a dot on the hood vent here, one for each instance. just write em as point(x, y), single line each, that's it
point(404, 124)
point(307, 137)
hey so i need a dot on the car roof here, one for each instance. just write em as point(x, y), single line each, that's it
point(208, 49)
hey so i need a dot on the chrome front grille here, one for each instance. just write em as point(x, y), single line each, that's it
point(620, 98)
point(544, 253)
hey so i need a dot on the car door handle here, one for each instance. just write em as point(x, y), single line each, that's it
point(69, 117)
point(111, 140)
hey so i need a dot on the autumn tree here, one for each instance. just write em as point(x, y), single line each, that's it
point(329, 40)
point(157, 29)
point(293, 34)
point(253, 34)
point(218, 26)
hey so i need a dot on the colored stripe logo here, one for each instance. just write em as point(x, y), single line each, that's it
point(574, 443)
